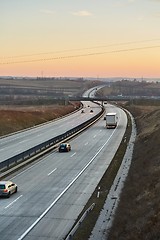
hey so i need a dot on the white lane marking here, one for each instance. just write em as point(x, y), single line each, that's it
point(23, 141)
point(86, 143)
point(95, 136)
point(39, 135)
point(64, 191)
point(19, 174)
point(73, 154)
point(52, 171)
point(2, 149)
point(14, 201)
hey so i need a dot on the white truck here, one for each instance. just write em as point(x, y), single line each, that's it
point(111, 120)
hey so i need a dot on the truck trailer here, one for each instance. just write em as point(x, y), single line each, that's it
point(111, 120)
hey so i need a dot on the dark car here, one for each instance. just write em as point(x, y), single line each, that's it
point(7, 188)
point(64, 147)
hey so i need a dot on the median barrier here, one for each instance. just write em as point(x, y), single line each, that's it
point(7, 165)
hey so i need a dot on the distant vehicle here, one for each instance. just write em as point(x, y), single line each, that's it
point(91, 110)
point(82, 111)
point(64, 147)
point(111, 120)
point(7, 188)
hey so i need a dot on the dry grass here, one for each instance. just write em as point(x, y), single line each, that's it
point(17, 118)
point(138, 214)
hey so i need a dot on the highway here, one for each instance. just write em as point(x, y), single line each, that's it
point(53, 191)
point(18, 143)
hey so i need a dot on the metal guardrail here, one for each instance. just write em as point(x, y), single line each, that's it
point(71, 233)
point(40, 148)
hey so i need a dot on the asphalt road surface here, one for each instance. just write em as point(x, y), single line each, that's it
point(53, 191)
point(22, 141)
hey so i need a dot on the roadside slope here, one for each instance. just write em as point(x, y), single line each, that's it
point(138, 213)
point(17, 118)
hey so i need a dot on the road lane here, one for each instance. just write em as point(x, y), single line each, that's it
point(41, 191)
point(19, 142)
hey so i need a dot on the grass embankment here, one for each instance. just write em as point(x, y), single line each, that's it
point(138, 214)
point(17, 118)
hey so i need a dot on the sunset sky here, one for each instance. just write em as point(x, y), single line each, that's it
point(80, 38)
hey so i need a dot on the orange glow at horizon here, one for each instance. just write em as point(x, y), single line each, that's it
point(131, 63)
point(80, 39)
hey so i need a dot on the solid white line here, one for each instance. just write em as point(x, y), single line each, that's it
point(13, 201)
point(52, 171)
point(63, 192)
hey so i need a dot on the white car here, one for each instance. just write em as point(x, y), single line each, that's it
point(7, 188)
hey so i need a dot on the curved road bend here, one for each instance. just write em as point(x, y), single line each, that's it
point(22, 141)
point(53, 192)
